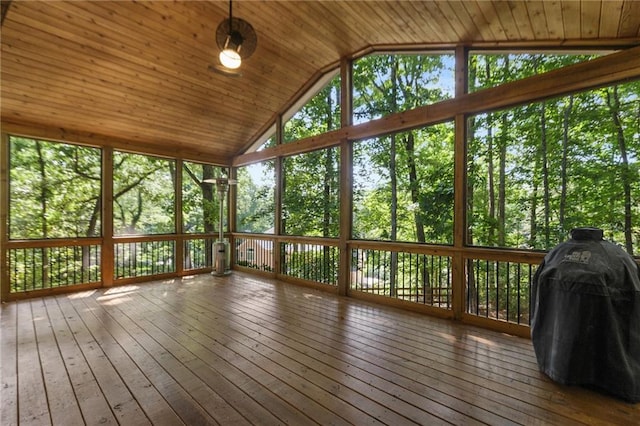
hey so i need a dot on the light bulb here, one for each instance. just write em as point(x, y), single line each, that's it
point(230, 59)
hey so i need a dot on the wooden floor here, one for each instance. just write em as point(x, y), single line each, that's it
point(244, 350)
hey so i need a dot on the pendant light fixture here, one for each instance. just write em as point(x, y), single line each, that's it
point(236, 40)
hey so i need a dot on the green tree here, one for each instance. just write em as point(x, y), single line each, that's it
point(54, 190)
point(143, 194)
point(255, 199)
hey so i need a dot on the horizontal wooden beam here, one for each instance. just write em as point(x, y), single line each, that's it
point(169, 150)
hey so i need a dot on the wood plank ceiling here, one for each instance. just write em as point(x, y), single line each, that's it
point(136, 73)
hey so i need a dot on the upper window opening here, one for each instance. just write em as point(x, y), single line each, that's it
point(384, 84)
point(496, 68)
point(319, 115)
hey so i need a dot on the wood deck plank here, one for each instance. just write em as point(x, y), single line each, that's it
point(305, 396)
point(8, 365)
point(245, 350)
point(358, 356)
point(356, 408)
point(32, 397)
point(90, 399)
point(498, 391)
point(173, 387)
point(61, 399)
point(129, 363)
point(415, 407)
point(121, 402)
point(205, 405)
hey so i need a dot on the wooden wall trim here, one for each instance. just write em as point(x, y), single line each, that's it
point(170, 150)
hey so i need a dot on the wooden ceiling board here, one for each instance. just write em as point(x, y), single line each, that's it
point(521, 17)
point(629, 22)
point(538, 19)
point(77, 82)
point(139, 71)
point(445, 13)
point(490, 13)
point(571, 25)
point(483, 24)
point(504, 11)
point(110, 82)
point(553, 14)
point(468, 27)
point(404, 26)
point(590, 19)
point(610, 18)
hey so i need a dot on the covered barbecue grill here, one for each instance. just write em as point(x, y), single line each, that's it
point(585, 324)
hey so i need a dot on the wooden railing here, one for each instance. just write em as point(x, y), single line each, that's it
point(255, 252)
point(498, 285)
point(51, 264)
point(198, 252)
point(492, 286)
point(143, 256)
point(41, 266)
point(306, 260)
point(409, 272)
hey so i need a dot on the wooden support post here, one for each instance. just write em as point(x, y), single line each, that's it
point(232, 207)
point(277, 198)
point(108, 257)
point(346, 179)
point(179, 250)
point(4, 218)
point(459, 204)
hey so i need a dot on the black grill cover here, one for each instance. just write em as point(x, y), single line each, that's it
point(585, 324)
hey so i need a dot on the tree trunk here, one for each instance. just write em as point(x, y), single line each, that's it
point(394, 184)
point(613, 102)
point(502, 176)
point(44, 194)
point(414, 185)
point(491, 239)
point(329, 174)
point(545, 175)
point(208, 172)
point(502, 181)
point(566, 115)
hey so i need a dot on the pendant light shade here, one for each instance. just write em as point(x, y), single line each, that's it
point(236, 40)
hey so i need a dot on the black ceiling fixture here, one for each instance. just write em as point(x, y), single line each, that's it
point(5, 9)
point(237, 40)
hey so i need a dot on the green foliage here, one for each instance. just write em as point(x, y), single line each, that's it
point(54, 190)
point(255, 198)
point(200, 201)
point(143, 194)
point(384, 84)
point(507, 67)
point(311, 197)
point(429, 206)
point(320, 115)
point(403, 183)
point(564, 167)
